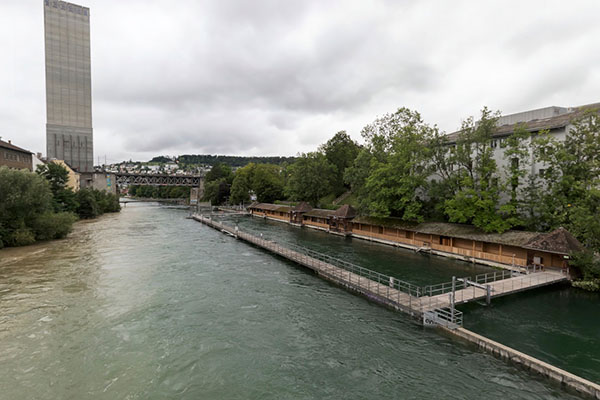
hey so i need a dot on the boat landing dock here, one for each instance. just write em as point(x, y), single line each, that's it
point(431, 304)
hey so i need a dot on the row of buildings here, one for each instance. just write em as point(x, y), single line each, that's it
point(514, 249)
point(16, 157)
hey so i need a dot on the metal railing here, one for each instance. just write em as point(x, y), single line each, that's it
point(446, 287)
point(426, 300)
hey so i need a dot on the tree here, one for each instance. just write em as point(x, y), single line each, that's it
point(309, 178)
point(356, 177)
point(267, 183)
point(64, 198)
point(217, 192)
point(517, 153)
point(396, 183)
point(219, 172)
point(88, 206)
point(477, 197)
point(340, 151)
point(242, 184)
point(571, 179)
point(26, 212)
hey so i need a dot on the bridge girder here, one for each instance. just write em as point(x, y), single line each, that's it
point(159, 180)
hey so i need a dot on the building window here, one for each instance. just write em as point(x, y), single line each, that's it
point(494, 144)
point(541, 172)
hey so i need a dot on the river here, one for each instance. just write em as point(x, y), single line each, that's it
point(146, 304)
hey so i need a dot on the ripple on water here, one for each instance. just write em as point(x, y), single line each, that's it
point(147, 304)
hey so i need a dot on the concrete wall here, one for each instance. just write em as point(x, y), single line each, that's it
point(566, 379)
point(68, 84)
point(100, 181)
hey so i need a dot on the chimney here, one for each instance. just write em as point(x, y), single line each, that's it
point(39, 155)
point(9, 142)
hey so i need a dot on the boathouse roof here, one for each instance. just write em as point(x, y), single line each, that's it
point(302, 207)
point(270, 207)
point(320, 213)
point(558, 241)
point(459, 231)
point(345, 211)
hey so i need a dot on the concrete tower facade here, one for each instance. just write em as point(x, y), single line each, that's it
point(69, 135)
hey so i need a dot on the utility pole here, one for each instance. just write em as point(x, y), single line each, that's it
point(453, 298)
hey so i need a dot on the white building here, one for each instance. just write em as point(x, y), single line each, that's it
point(557, 120)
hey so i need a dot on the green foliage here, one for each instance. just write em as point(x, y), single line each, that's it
point(242, 184)
point(476, 197)
point(64, 199)
point(232, 161)
point(267, 183)
point(50, 225)
point(217, 192)
point(586, 266)
point(26, 212)
point(159, 192)
point(93, 203)
point(399, 170)
point(23, 197)
point(220, 172)
point(569, 193)
point(88, 206)
point(309, 178)
point(161, 159)
point(22, 237)
point(340, 151)
point(356, 177)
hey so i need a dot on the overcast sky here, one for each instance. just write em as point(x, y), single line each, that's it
point(281, 77)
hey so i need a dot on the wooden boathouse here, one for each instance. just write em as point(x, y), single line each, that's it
point(515, 249)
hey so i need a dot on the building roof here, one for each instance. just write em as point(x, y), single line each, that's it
point(459, 231)
point(345, 211)
point(302, 207)
point(270, 207)
point(536, 125)
point(559, 241)
point(320, 213)
point(11, 146)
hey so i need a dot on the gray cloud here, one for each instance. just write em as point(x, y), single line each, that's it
point(272, 77)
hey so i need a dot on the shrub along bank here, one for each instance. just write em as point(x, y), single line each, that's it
point(39, 206)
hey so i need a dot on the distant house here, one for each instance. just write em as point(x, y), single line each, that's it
point(36, 160)
point(15, 157)
point(74, 181)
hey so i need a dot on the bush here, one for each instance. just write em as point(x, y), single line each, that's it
point(590, 286)
point(93, 203)
point(586, 265)
point(22, 237)
point(88, 206)
point(53, 225)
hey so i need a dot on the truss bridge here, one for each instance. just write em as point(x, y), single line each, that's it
point(128, 179)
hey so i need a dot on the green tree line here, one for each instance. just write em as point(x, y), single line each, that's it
point(159, 192)
point(408, 169)
point(39, 206)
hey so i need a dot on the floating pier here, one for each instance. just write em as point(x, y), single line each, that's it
point(433, 305)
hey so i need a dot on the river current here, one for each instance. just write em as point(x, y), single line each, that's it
point(146, 304)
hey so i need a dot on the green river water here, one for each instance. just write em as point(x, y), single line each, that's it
point(146, 304)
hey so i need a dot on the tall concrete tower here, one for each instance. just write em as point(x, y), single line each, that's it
point(68, 84)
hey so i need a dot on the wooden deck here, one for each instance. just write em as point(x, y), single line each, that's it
point(498, 288)
point(387, 290)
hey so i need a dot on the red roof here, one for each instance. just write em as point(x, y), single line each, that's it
point(11, 146)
